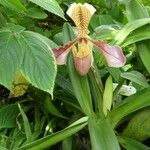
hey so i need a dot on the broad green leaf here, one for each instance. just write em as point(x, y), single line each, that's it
point(30, 51)
point(102, 135)
point(139, 126)
point(131, 144)
point(129, 105)
point(15, 5)
point(38, 66)
point(11, 55)
point(51, 6)
point(136, 77)
point(26, 124)
point(36, 13)
point(128, 28)
point(108, 95)
point(143, 49)
point(54, 138)
point(50, 43)
point(8, 115)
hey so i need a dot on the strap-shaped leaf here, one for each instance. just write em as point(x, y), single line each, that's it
point(54, 138)
point(128, 28)
point(130, 105)
point(101, 134)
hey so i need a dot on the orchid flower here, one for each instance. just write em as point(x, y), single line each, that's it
point(82, 46)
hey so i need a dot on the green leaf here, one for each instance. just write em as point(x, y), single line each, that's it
point(68, 33)
point(49, 106)
point(115, 73)
point(8, 115)
point(11, 55)
point(98, 20)
point(50, 140)
point(128, 28)
point(108, 95)
point(2, 20)
point(129, 105)
point(30, 52)
point(3, 148)
point(81, 88)
point(143, 49)
point(131, 144)
point(65, 84)
point(138, 12)
point(102, 135)
point(15, 5)
point(38, 66)
point(139, 36)
point(36, 13)
point(96, 87)
point(26, 124)
point(136, 77)
point(135, 10)
point(105, 32)
point(51, 6)
point(138, 127)
point(67, 144)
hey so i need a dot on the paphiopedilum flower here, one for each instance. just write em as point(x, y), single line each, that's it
point(82, 46)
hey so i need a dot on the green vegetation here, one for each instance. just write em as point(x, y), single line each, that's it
point(84, 104)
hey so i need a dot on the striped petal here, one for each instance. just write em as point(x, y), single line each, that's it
point(113, 54)
point(81, 15)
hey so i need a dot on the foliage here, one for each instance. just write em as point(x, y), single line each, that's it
point(45, 106)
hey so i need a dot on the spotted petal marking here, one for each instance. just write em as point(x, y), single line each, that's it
point(81, 15)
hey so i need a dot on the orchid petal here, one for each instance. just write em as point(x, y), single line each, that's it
point(83, 64)
point(81, 15)
point(113, 54)
point(62, 52)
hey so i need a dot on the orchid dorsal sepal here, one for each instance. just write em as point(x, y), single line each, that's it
point(81, 15)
